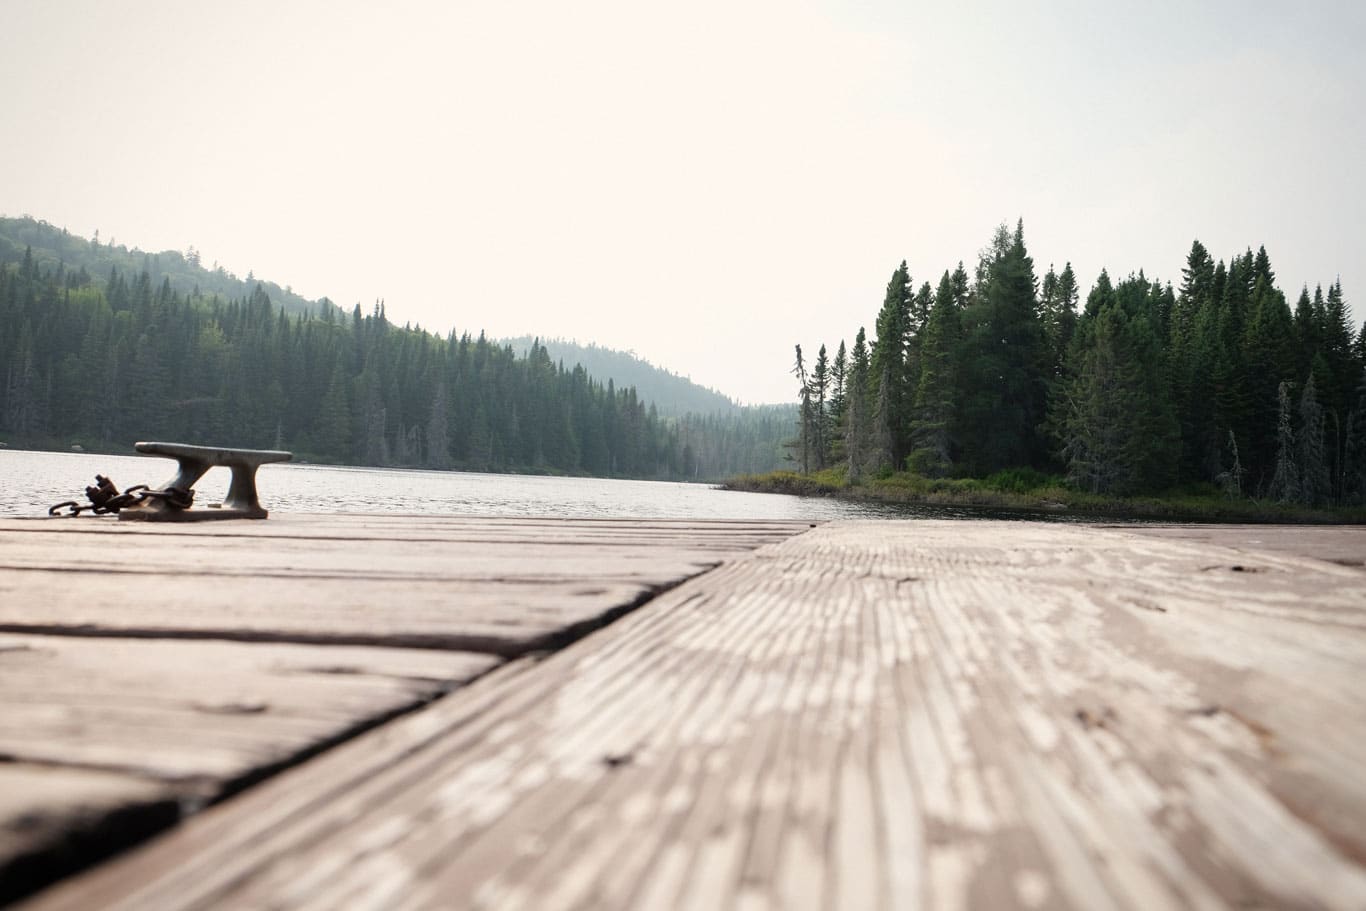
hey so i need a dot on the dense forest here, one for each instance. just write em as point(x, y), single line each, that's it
point(1140, 388)
point(103, 362)
point(50, 246)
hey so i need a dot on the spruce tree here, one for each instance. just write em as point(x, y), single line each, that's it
point(839, 379)
point(805, 430)
point(438, 427)
point(889, 365)
point(1005, 362)
point(932, 432)
point(1120, 434)
point(1354, 450)
point(1285, 480)
point(858, 416)
point(1316, 487)
point(1058, 314)
point(820, 426)
point(1266, 356)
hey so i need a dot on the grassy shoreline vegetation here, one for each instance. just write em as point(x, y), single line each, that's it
point(1029, 491)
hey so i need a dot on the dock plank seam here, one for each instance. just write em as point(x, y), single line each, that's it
point(188, 795)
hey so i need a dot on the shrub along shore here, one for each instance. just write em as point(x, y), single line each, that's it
point(1032, 491)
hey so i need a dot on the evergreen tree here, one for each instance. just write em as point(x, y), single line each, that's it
point(1285, 481)
point(1315, 487)
point(1004, 362)
point(1307, 332)
point(839, 376)
point(889, 370)
point(1120, 434)
point(149, 361)
point(438, 428)
point(858, 412)
point(806, 416)
point(1058, 314)
point(839, 385)
point(1354, 454)
point(934, 412)
point(332, 431)
point(820, 419)
point(1266, 357)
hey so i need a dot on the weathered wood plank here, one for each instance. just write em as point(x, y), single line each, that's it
point(104, 741)
point(505, 586)
point(918, 714)
point(111, 661)
point(1332, 543)
point(50, 816)
point(361, 558)
point(206, 713)
point(426, 527)
point(507, 617)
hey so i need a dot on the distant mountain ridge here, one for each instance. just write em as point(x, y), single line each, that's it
point(52, 245)
point(672, 395)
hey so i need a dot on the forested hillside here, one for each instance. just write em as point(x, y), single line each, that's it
point(1140, 389)
point(672, 394)
point(106, 362)
point(50, 246)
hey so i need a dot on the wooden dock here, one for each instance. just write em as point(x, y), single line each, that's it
point(339, 712)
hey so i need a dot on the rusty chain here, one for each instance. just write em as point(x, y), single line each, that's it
point(105, 498)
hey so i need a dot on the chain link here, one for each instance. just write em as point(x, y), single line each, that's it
point(105, 498)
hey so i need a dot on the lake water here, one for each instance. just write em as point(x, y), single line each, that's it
point(30, 482)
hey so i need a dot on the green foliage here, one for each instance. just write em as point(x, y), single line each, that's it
point(934, 415)
point(1118, 430)
point(126, 358)
point(1004, 362)
point(51, 247)
point(1146, 389)
point(1021, 480)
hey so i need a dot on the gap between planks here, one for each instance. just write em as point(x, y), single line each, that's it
point(76, 828)
point(890, 715)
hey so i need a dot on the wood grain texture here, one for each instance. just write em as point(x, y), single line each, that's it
point(202, 714)
point(1317, 542)
point(118, 665)
point(105, 741)
point(50, 815)
point(505, 586)
point(353, 526)
point(872, 715)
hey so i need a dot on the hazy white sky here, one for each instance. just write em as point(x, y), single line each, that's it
point(707, 182)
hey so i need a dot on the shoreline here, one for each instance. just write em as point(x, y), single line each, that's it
point(1051, 500)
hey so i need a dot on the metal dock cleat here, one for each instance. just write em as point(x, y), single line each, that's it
point(172, 502)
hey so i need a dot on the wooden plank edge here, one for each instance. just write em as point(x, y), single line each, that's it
point(507, 647)
point(44, 871)
point(132, 825)
point(326, 778)
point(96, 839)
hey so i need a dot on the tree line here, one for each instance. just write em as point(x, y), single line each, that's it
point(51, 246)
point(113, 361)
point(1141, 388)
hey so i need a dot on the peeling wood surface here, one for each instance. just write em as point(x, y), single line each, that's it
point(146, 670)
point(871, 715)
